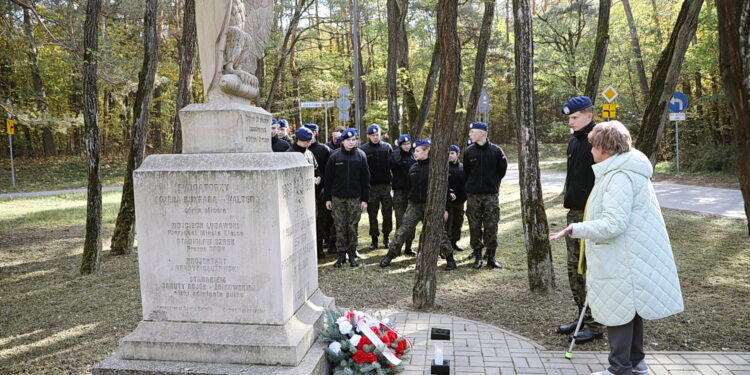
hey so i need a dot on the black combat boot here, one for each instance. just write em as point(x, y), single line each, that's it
point(477, 259)
point(455, 246)
point(341, 260)
point(386, 261)
point(385, 241)
point(450, 263)
point(374, 243)
point(352, 260)
point(491, 262)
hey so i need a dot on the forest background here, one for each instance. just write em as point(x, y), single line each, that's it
point(309, 57)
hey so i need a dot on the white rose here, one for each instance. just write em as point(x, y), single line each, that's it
point(335, 347)
point(345, 328)
point(341, 319)
point(355, 340)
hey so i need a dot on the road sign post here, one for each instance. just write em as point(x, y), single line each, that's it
point(677, 105)
point(325, 105)
point(11, 129)
point(609, 110)
point(484, 105)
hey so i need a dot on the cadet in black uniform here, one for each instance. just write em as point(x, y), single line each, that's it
point(277, 145)
point(418, 177)
point(284, 131)
point(456, 181)
point(401, 160)
point(347, 189)
point(485, 166)
point(334, 143)
point(378, 159)
point(324, 221)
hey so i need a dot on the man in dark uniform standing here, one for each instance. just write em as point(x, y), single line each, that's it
point(277, 145)
point(324, 221)
point(378, 159)
point(284, 131)
point(485, 166)
point(334, 144)
point(418, 181)
point(456, 181)
point(347, 189)
point(401, 160)
point(578, 184)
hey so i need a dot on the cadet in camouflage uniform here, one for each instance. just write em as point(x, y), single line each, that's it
point(418, 178)
point(378, 155)
point(456, 181)
point(401, 160)
point(347, 188)
point(323, 221)
point(485, 166)
point(578, 184)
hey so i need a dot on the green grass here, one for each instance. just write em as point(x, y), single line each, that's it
point(56, 173)
point(55, 321)
point(668, 168)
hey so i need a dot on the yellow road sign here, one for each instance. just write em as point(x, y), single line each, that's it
point(609, 111)
point(10, 127)
point(610, 93)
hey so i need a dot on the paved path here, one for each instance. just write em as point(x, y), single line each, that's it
point(722, 202)
point(478, 348)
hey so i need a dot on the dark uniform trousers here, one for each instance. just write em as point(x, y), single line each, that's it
point(324, 227)
point(400, 203)
point(626, 342)
point(346, 215)
point(414, 214)
point(483, 211)
point(380, 195)
point(455, 220)
point(575, 279)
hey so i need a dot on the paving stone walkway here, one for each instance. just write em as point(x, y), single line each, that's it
point(478, 348)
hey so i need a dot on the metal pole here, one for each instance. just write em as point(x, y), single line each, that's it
point(12, 167)
point(355, 47)
point(677, 143)
point(326, 124)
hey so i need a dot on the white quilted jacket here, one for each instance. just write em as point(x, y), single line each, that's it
point(630, 264)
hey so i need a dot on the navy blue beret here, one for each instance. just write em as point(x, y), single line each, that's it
point(348, 133)
point(372, 129)
point(455, 148)
point(479, 125)
point(403, 138)
point(303, 134)
point(313, 127)
point(274, 121)
point(283, 123)
point(576, 104)
point(427, 142)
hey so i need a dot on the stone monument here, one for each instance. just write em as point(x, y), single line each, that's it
point(226, 231)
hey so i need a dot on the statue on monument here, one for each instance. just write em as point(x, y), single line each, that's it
point(232, 36)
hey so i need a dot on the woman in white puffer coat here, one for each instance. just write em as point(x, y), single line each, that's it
point(631, 271)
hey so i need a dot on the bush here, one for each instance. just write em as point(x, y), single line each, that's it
point(709, 157)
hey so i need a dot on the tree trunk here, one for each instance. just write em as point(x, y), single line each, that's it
point(155, 129)
point(423, 293)
point(734, 43)
point(122, 239)
point(392, 68)
point(187, 64)
point(429, 90)
point(536, 230)
point(92, 246)
point(636, 44)
point(479, 63)
point(664, 80)
point(407, 85)
point(48, 141)
point(600, 51)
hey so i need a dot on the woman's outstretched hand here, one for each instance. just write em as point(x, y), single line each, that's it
point(562, 233)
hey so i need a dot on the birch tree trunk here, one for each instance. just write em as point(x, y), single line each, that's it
point(664, 80)
point(600, 51)
point(187, 64)
point(534, 217)
point(122, 238)
point(92, 246)
point(734, 43)
point(636, 44)
point(423, 293)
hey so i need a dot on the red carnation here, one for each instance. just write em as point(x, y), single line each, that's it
point(362, 357)
point(401, 348)
point(362, 342)
point(392, 334)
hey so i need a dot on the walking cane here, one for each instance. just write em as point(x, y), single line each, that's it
point(569, 353)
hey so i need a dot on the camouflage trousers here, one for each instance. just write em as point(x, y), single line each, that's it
point(414, 214)
point(455, 220)
point(324, 227)
point(483, 211)
point(380, 195)
point(346, 216)
point(400, 203)
point(575, 279)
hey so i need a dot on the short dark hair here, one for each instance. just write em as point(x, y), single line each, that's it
point(339, 129)
point(589, 109)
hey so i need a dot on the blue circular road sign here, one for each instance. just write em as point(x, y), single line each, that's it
point(678, 102)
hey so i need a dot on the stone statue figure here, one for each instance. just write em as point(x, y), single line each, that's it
point(232, 36)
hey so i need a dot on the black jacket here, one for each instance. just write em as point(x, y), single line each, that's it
point(456, 180)
point(287, 139)
point(485, 167)
point(346, 175)
point(277, 145)
point(401, 161)
point(378, 156)
point(419, 174)
point(580, 177)
point(309, 156)
point(321, 153)
point(333, 146)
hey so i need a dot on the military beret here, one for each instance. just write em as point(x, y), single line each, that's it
point(403, 138)
point(455, 148)
point(479, 125)
point(576, 104)
point(283, 123)
point(313, 127)
point(427, 142)
point(274, 121)
point(303, 134)
point(372, 129)
point(348, 133)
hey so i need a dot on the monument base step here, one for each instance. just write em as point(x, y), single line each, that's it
point(229, 343)
point(313, 363)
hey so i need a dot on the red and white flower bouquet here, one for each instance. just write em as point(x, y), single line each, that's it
point(360, 344)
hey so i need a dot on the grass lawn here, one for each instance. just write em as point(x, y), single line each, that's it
point(55, 321)
point(57, 173)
